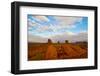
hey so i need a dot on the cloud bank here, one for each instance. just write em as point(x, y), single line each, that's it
point(83, 36)
point(57, 28)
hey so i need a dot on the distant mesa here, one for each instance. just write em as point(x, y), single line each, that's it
point(66, 41)
point(58, 42)
point(49, 41)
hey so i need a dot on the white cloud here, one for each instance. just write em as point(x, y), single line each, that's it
point(63, 22)
point(68, 21)
point(56, 30)
point(31, 24)
point(41, 18)
point(33, 38)
point(71, 33)
point(71, 37)
point(43, 28)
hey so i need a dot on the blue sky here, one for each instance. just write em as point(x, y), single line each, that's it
point(50, 26)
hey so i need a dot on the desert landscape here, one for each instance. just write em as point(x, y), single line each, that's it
point(52, 51)
point(52, 37)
